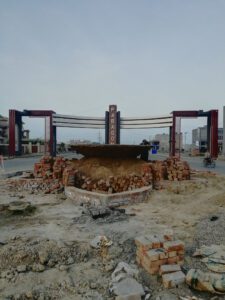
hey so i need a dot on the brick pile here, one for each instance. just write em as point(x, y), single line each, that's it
point(115, 184)
point(177, 169)
point(43, 169)
point(58, 167)
point(152, 173)
point(163, 256)
point(68, 177)
point(50, 167)
point(158, 174)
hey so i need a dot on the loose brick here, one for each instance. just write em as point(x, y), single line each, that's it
point(180, 262)
point(156, 241)
point(151, 270)
point(143, 243)
point(180, 257)
point(172, 253)
point(145, 261)
point(172, 260)
point(165, 269)
point(181, 252)
point(158, 263)
point(139, 260)
point(139, 252)
point(163, 255)
point(153, 254)
point(168, 235)
point(173, 279)
point(173, 246)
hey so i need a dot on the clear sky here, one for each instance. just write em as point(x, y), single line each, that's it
point(77, 57)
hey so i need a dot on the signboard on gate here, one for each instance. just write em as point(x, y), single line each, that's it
point(112, 124)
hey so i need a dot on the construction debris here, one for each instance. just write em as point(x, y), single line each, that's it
point(51, 175)
point(80, 174)
point(157, 255)
point(208, 282)
point(37, 186)
point(214, 257)
point(100, 241)
point(124, 283)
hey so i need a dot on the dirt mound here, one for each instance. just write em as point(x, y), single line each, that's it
point(103, 168)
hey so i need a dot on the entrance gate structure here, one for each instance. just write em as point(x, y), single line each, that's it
point(112, 123)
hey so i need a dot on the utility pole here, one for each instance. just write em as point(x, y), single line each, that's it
point(99, 137)
point(224, 130)
point(185, 139)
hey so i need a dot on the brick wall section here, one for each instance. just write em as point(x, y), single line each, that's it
point(80, 196)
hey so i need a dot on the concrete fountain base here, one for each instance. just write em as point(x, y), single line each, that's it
point(79, 197)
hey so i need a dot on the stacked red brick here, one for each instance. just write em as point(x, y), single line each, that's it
point(177, 169)
point(58, 167)
point(50, 171)
point(117, 184)
point(43, 169)
point(152, 174)
point(68, 178)
point(158, 255)
point(158, 173)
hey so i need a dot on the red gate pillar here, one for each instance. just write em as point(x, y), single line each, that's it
point(52, 141)
point(173, 140)
point(214, 134)
point(12, 132)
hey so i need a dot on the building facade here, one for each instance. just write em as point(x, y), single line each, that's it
point(199, 139)
point(4, 130)
point(164, 141)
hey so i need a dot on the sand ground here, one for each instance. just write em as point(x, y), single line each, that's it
point(57, 236)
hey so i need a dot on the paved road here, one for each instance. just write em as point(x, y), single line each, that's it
point(25, 163)
point(20, 164)
point(197, 163)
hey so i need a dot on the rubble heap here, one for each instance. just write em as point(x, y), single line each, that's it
point(36, 186)
point(73, 173)
point(177, 169)
point(50, 167)
point(163, 256)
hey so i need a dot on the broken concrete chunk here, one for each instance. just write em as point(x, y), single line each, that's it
point(128, 287)
point(213, 250)
point(123, 283)
point(214, 257)
point(166, 295)
point(171, 280)
point(123, 270)
point(165, 269)
point(208, 282)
